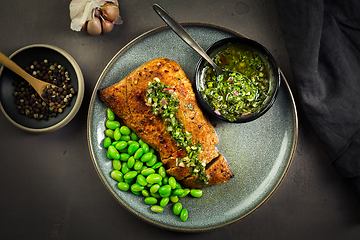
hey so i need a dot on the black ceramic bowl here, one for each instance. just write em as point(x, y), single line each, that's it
point(24, 57)
point(263, 53)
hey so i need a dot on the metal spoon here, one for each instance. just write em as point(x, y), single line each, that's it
point(37, 84)
point(184, 35)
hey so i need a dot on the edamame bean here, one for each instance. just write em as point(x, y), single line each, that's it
point(140, 179)
point(138, 153)
point(125, 150)
point(135, 192)
point(125, 130)
point(177, 185)
point(165, 180)
point(150, 200)
point(138, 165)
point(113, 152)
point(124, 168)
point(116, 164)
point(136, 187)
point(196, 193)
point(152, 161)
point(166, 189)
point(124, 156)
point(184, 214)
point(131, 142)
point(164, 201)
point(177, 191)
point(121, 145)
point(174, 198)
point(123, 186)
point(156, 195)
point(147, 171)
point(109, 133)
point(125, 138)
point(110, 114)
point(134, 136)
point(107, 142)
point(108, 155)
point(145, 147)
point(157, 165)
point(146, 157)
point(154, 188)
point(112, 124)
point(130, 181)
point(131, 174)
point(154, 178)
point(131, 162)
point(133, 148)
point(177, 208)
point(152, 150)
point(172, 182)
point(157, 209)
point(117, 134)
point(117, 175)
point(165, 195)
point(162, 172)
point(145, 193)
point(186, 192)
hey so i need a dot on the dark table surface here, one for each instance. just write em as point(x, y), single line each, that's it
point(50, 189)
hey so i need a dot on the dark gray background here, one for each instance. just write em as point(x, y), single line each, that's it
point(49, 187)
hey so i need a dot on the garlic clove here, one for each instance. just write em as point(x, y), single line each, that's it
point(110, 11)
point(94, 26)
point(107, 26)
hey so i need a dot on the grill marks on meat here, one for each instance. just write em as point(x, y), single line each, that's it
point(127, 100)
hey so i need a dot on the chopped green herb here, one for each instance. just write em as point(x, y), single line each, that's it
point(163, 102)
point(236, 94)
point(189, 106)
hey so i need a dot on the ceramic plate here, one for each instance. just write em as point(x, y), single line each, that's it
point(259, 152)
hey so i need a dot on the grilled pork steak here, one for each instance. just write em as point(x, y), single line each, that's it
point(127, 100)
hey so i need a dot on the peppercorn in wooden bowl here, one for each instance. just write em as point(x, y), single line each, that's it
point(23, 107)
point(241, 97)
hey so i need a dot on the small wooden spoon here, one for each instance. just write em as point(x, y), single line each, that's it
point(38, 85)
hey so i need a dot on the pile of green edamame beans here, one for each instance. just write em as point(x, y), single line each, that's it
point(137, 169)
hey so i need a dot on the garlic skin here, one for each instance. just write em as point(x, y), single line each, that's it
point(82, 11)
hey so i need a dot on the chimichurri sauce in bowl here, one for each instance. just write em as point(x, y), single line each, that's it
point(245, 94)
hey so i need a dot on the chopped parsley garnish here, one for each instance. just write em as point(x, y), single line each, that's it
point(163, 102)
point(189, 106)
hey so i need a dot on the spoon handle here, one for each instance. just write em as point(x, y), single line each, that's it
point(6, 62)
point(182, 33)
point(38, 85)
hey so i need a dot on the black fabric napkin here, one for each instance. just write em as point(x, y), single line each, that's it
point(323, 41)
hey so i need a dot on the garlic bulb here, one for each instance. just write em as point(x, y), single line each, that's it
point(83, 11)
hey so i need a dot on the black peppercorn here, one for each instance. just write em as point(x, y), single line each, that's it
point(29, 102)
